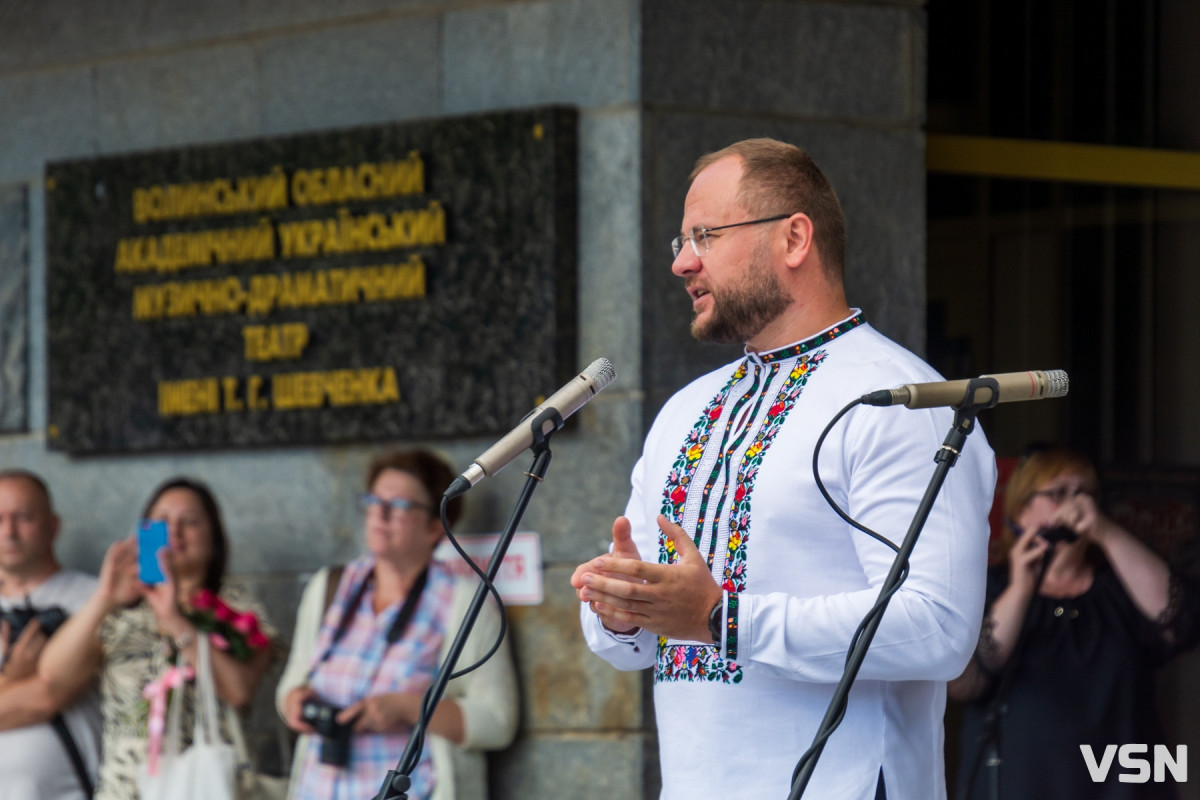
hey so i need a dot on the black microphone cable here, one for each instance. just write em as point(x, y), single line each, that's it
point(427, 704)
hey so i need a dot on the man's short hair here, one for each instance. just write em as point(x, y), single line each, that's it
point(39, 485)
point(781, 178)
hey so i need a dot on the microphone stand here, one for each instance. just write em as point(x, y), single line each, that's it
point(946, 457)
point(397, 782)
point(989, 739)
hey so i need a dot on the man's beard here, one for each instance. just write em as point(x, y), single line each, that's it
point(742, 308)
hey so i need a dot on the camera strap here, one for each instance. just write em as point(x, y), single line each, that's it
point(332, 579)
point(398, 626)
point(68, 742)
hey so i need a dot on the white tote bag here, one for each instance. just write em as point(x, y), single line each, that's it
point(207, 769)
point(252, 785)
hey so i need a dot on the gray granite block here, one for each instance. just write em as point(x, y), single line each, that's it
point(564, 686)
point(378, 71)
point(610, 231)
point(266, 15)
point(582, 52)
point(37, 306)
point(571, 767)
point(105, 29)
point(43, 116)
point(840, 60)
point(84, 31)
point(177, 98)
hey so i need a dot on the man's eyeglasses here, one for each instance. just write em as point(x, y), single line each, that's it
point(368, 501)
point(1060, 494)
point(698, 236)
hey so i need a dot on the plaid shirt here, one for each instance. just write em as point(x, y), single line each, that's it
point(361, 665)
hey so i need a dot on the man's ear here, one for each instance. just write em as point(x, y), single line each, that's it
point(799, 239)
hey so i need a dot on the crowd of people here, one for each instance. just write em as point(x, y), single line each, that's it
point(81, 656)
point(730, 578)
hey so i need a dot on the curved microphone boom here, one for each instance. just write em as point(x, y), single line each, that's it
point(560, 405)
point(1006, 387)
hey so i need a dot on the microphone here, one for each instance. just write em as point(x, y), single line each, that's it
point(549, 416)
point(988, 390)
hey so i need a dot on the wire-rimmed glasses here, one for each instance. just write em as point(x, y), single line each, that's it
point(698, 236)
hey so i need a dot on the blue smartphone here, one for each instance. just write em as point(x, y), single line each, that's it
point(152, 537)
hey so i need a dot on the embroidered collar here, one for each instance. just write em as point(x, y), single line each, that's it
point(824, 337)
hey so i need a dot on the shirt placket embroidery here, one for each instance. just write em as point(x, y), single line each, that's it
point(729, 531)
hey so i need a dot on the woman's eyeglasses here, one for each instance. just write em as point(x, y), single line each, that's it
point(399, 504)
point(1060, 494)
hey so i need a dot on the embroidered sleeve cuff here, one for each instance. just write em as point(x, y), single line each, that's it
point(742, 618)
point(731, 626)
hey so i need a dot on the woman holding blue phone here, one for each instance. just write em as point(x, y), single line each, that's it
point(140, 618)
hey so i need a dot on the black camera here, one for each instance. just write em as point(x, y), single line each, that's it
point(17, 618)
point(335, 737)
point(1059, 534)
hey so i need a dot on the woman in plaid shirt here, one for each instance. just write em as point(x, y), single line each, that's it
point(364, 652)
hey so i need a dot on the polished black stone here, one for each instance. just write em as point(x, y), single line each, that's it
point(494, 331)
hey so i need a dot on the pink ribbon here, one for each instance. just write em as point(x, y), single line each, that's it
point(156, 692)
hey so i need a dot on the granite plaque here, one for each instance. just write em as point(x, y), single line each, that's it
point(413, 280)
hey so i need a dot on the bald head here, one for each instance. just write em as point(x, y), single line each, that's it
point(34, 484)
point(28, 527)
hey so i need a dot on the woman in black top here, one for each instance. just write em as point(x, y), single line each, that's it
point(1108, 612)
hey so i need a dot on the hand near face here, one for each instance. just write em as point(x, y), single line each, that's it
point(672, 600)
point(1081, 515)
point(118, 581)
point(1025, 560)
point(161, 596)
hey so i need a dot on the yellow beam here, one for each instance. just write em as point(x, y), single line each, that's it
point(1062, 161)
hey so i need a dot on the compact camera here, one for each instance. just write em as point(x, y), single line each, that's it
point(335, 737)
point(18, 618)
point(1060, 534)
